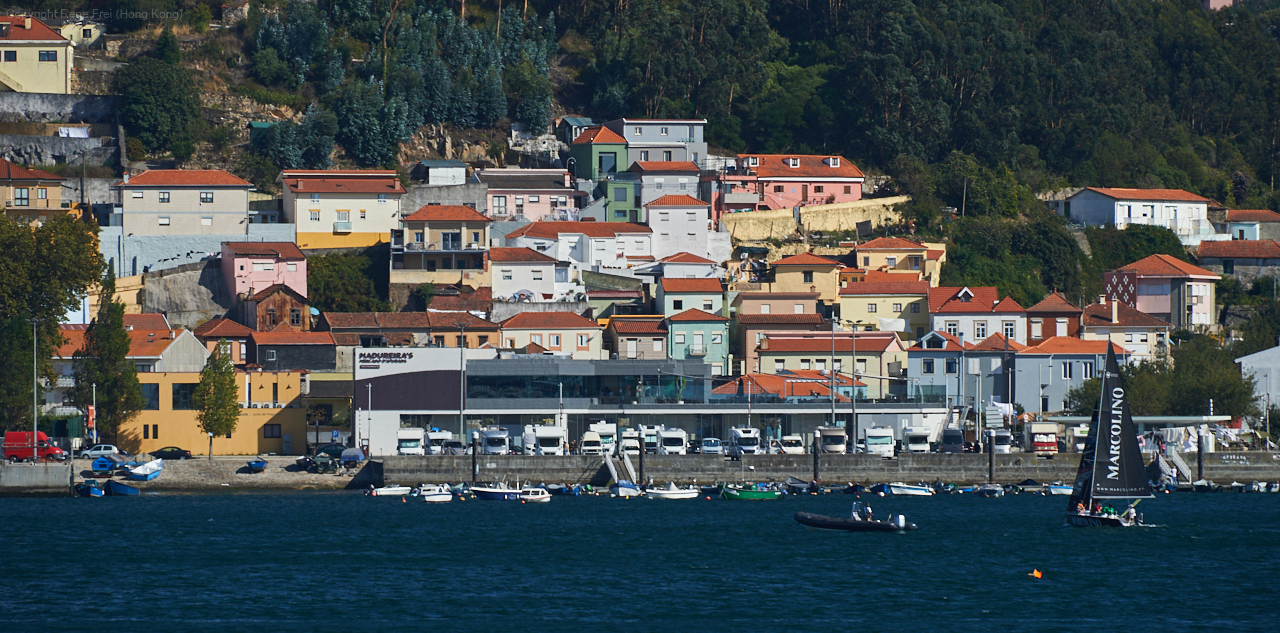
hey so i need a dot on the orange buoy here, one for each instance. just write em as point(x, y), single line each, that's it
point(1036, 573)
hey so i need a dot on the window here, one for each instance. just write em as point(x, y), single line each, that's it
point(620, 194)
point(535, 198)
point(637, 131)
point(164, 220)
point(182, 392)
point(1229, 265)
point(871, 308)
point(315, 199)
point(979, 330)
point(146, 432)
point(362, 214)
point(926, 366)
point(897, 307)
point(684, 184)
point(662, 131)
point(777, 188)
point(1066, 371)
point(264, 265)
point(270, 431)
point(620, 213)
point(537, 275)
point(295, 317)
point(952, 365)
point(666, 156)
point(1036, 328)
point(817, 189)
point(717, 338)
point(137, 193)
point(644, 156)
point(764, 308)
point(663, 216)
point(952, 327)
point(11, 56)
point(1062, 327)
point(344, 216)
point(866, 261)
point(293, 268)
point(511, 342)
point(206, 197)
point(382, 198)
point(821, 364)
point(1128, 337)
point(1086, 370)
point(677, 304)
point(693, 215)
point(793, 162)
point(706, 305)
point(150, 396)
point(759, 337)
point(500, 205)
point(679, 337)
point(804, 363)
point(891, 262)
point(48, 56)
point(1010, 331)
point(779, 365)
point(555, 340)
point(915, 308)
point(798, 308)
point(271, 354)
point(315, 216)
point(506, 274)
point(21, 196)
point(583, 340)
point(535, 338)
point(808, 276)
point(657, 345)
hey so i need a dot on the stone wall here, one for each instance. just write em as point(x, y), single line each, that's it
point(37, 479)
point(133, 253)
point(503, 310)
point(49, 150)
point(187, 295)
point(780, 223)
point(31, 106)
point(472, 195)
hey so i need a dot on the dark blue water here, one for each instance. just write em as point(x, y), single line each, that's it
point(344, 562)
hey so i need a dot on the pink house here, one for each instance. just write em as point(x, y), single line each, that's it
point(783, 181)
point(531, 194)
point(249, 267)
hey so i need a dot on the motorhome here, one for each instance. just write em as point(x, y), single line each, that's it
point(550, 440)
point(436, 440)
point(952, 441)
point(744, 441)
point(915, 439)
point(650, 432)
point(590, 444)
point(672, 441)
point(1002, 442)
point(792, 445)
point(608, 433)
point(494, 441)
point(630, 444)
point(410, 441)
point(832, 440)
point(1042, 438)
point(880, 441)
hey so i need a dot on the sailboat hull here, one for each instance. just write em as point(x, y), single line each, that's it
point(1079, 520)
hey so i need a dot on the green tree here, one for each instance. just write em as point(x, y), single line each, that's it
point(343, 282)
point(217, 397)
point(104, 361)
point(167, 49)
point(159, 104)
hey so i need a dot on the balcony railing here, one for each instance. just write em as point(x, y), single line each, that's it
point(436, 247)
point(341, 227)
point(697, 350)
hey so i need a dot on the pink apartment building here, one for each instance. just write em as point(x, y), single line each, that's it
point(249, 267)
point(783, 181)
point(531, 194)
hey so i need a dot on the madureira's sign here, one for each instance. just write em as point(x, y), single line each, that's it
point(420, 379)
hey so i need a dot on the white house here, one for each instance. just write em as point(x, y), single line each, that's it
point(523, 274)
point(659, 178)
point(679, 224)
point(615, 246)
point(1264, 366)
point(973, 314)
point(1184, 213)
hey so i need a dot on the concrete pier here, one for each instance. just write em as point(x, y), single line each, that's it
point(35, 479)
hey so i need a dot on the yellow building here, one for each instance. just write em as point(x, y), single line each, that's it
point(807, 272)
point(441, 244)
point(34, 57)
point(898, 255)
point(272, 419)
point(342, 208)
point(899, 306)
point(31, 196)
point(84, 32)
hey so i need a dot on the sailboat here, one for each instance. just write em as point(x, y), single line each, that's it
point(1111, 463)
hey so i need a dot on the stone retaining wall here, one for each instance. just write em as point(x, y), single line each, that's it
point(34, 479)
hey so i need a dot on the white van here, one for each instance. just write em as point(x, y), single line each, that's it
point(792, 445)
point(410, 441)
point(744, 441)
point(833, 440)
point(880, 441)
point(590, 444)
point(672, 441)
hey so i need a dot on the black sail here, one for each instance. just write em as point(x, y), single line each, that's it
point(1118, 471)
point(1082, 489)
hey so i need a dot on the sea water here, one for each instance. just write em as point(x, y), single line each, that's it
point(345, 562)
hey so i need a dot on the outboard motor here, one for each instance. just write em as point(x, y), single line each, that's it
point(900, 521)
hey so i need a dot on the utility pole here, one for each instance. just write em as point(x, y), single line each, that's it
point(832, 367)
point(852, 438)
point(462, 378)
point(35, 387)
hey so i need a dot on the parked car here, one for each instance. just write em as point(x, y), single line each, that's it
point(334, 451)
point(101, 450)
point(171, 452)
point(454, 447)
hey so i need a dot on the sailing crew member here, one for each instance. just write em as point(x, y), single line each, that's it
point(1131, 515)
point(1081, 510)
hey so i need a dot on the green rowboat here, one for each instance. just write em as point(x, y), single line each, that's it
point(739, 494)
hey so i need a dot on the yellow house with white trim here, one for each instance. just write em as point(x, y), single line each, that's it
point(34, 57)
point(342, 208)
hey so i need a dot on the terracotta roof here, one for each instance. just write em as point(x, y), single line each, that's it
point(146, 321)
point(277, 250)
point(528, 180)
point(347, 320)
point(864, 288)
point(548, 320)
point(274, 288)
point(778, 295)
point(798, 383)
point(818, 344)
point(807, 259)
point(480, 300)
point(890, 276)
point(680, 200)
point(685, 258)
point(638, 325)
point(599, 134)
point(1241, 249)
point(534, 348)
point(705, 285)
point(185, 178)
point(523, 254)
point(890, 244)
point(39, 31)
point(660, 165)
point(946, 299)
point(934, 254)
point(143, 342)
point(1156, 195)
point(811, 166)
point(553, 229)
point(446, 213)
point(1167, 266)
point(1072, 345)
point(1252, 215)
point(1008, 306)
point(997, 343)
point(13, 171)
point(694, 314)
point(447, 321)
point(221, 328)
point(808, 318)
point(305, 182)
point(952, 343)
point(1099, 315)
point(1054, 303)
point(615, 294)
point(417, 321)
point(286, 335)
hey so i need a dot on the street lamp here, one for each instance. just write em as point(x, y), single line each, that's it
point(462, 377)
point(35, 384)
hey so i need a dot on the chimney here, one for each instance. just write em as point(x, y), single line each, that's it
point(126, 177)
point(27, 23)
point(567, 180)
point(299, 184)
point(1102, 300)
point(1115, 312)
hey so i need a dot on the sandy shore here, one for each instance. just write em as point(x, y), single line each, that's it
point(231, 473)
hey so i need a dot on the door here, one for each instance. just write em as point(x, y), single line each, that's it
point(631, 348)
point(697, 344)
point(804, 193)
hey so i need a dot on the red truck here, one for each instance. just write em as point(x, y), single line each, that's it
point(17, 447)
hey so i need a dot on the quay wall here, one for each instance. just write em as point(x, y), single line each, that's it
point(34, 479)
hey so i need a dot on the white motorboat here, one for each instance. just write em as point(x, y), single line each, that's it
point(910, 490)
point(625, 489)
point(1059, 488)
point(535, 495)
point(389, 491)
point(435, 493)
point(673, 492)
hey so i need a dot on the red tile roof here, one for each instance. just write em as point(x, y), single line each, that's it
point(277, 250)
point(146, 321)
point(638, 325)
point(1054, 303)
point(864, 288)
point(1156, 195)
point(308, 181)
point(997, 343)
point(807, 259)
point(811, 166)
point(221, 328)
point(686, 258)
point(799, 383)
point(14, 171)
point(39, 31)
point(553, 229)
point(143, 342)
point(890, 276)
point(890, 244)
point(818, 344)
point(660, 165)
point(1241, 249)
point(694, 314)
point(680, 200)
point(1099, 315)
point(416, 321)
point(523, 254)
point(599, 135)
point(261, 295)
point(446, 213)
point(1252, 215)
point(705, 285)
point(1009, 306)
point(762, 296)
point(1167, 266)
point(549, 321)
point(479, 300)
point(808, 318)
point(1071, 345)
point(947, 299)
point(615, 294)
point(185, 178)
point(286, 335)
point(953, 344)
point(934, 254)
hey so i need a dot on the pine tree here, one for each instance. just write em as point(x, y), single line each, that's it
point(216, 397)
point(103, 361)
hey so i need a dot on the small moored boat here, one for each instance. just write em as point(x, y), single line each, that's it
point(535, 495)
point(625, 488)
point(257, 465)
point(434, 493)
point(673, 492)
point(388, 491)
point(858, 521)
point(88, 489)
point(147, 471)
point(989, 490)
point(117, 489)
point(1059, 488)
point(909, 490)
point(496, 492)
point(748, 494)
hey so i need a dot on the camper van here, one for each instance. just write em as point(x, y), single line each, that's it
point(650, 433)
point(1002, 442)
point(915, 439)
point(590, 444)
point(436, 440)
point(672, 441)
point(608, 435)
point(494, 441)
point(410, 441)
point(1042, 438)
point(550, 440)
point(630, 444)
point(952, 441)
point(792, 445)
point(833, 440)
point(880, 441)
point(744, 441)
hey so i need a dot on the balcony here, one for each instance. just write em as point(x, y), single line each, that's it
point(441, 247)
point(341, 227)
point(64, 382)
point(697, 350)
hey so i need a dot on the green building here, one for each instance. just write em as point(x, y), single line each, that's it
point(694, 334)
